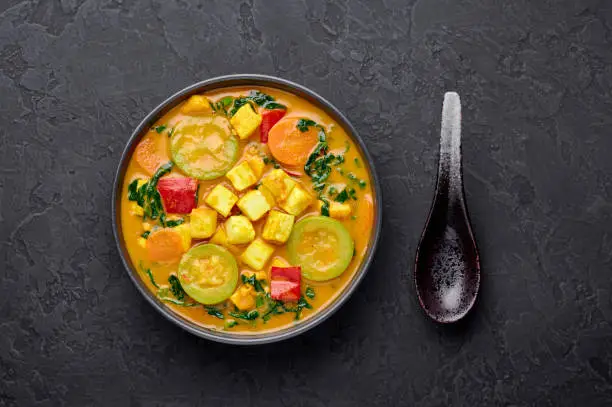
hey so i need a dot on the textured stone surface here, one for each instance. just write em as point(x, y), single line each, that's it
point(536, 80)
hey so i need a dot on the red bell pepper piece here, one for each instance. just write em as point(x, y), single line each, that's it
point(268, 119)
point(178, 194)
point(285, 283)
point(286, 291)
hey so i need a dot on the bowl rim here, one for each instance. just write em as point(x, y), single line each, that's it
point(236, 80)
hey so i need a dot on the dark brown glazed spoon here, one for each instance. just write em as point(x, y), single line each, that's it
point(447, 268)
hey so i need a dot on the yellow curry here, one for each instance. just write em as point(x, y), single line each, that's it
point(246, 209)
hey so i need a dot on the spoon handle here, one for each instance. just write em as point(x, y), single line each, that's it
point(450, 181)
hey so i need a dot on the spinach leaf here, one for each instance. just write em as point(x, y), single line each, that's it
point(175, 223)
point(214, 312)
point(230, 323)
point(310, 293)
point(325, 207)
point(301, 304)
point(254, 282)
point(159, 129)
point(246, 315)
point(222, 105)
point(342, 196)
point(304, 124)
point(148, 197)
point(259, 301)
point(175, 288)
point(164, 295)
point(148, 273)
point(259, 98)
point(133, 190)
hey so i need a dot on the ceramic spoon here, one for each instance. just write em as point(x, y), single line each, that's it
point(447, 269)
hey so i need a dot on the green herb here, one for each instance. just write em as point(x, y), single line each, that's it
point(170, 132)
point(238, 103)
point(332, 190)
point(357, 163)
point(362, 184)
point(148, 197)
point(133, 190)
point(354, 252)
point(274, 105)
point(254, 282)
point(352, 176)
point(214, 312)
point(146, 234)
point(159, 129)
point(246, 315)
point(342, 196)
point(347, 146)
point(259, 301)
point(340, 170)
point(325, 207)
point(175, 288)
point(301, 304)
point(353, 217)
point(163, 295)
point(175, 223)
point(197, 194)
point(230, 323)
point(222, 105)
point(148, 273)
point(259, 98)
point(352, 193)
point(310, 293)
point(304, 124)
point(274, 308)
point(276, 166)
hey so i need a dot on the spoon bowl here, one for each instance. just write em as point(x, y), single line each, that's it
point(447, 266)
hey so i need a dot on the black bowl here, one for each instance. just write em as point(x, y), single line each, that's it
point(225, 82)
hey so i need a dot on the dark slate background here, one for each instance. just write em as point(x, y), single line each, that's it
point(536, 81)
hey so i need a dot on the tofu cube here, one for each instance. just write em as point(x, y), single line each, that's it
point(257, 254)
point(242, 176)
point(254, 205)
point(278, 227)
point(136, 209)
point(203, 222)
point(245, 121)
point(221, 199)
point(267, 194)
point(244, 298)
point(239, 230)
point(220, 238)
point(279, 183)
point(297, 201)
point(257, 165)
point(278, 261)
point(337, 210)
point(184, 231)
point(196, 104)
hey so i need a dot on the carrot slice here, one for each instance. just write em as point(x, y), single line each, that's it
point(289, 145)
point(147, 155)
point(164, 245)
